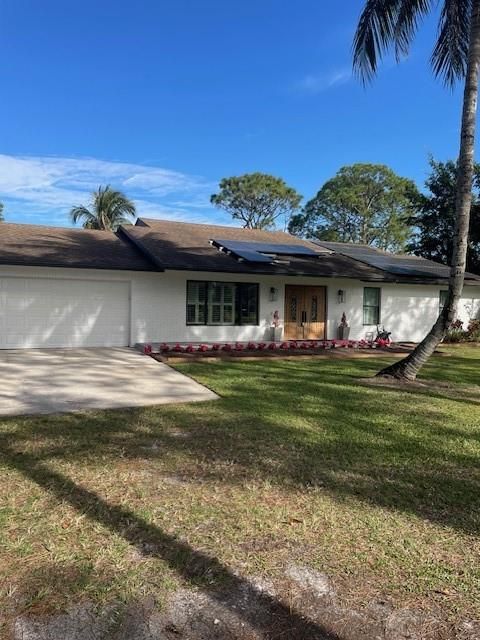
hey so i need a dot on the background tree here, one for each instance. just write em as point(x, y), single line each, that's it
point(258, 200)
point(108, 210)
point(434, 223)
point(456, 55)
point(1, 212)
point(366, 203)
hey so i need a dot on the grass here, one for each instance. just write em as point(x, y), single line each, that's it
point(298, 463)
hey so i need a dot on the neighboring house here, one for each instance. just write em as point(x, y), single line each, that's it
point(170, 281)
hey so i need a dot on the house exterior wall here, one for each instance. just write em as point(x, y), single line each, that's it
point(158, 304)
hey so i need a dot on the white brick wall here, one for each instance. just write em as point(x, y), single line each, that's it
point(158, 304)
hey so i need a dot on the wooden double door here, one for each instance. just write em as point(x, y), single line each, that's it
point(305, 312)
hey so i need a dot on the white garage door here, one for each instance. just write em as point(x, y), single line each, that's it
point(47, 312)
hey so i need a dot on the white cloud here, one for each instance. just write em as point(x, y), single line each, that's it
point(316, 83)
point(43, 189)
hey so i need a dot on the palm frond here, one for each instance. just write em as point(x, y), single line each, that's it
point(81, 213)
point(449, 57)
point(393, 23)
point(109, 209)
point(374, 35)
point(409, 16)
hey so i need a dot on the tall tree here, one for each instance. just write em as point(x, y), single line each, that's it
point(434, 223)
point(456, 56)
point(258, 200)
point(1, 212)
point(366, 203)
point(108, 210)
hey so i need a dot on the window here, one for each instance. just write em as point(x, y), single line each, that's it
point(196, 302)
point(371, 305)
point(442, 300)
point(222, 303)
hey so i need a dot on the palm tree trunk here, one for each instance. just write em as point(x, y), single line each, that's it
point(408, 368)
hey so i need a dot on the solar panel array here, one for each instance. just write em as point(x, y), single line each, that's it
point(402, 265)
point(262, 251)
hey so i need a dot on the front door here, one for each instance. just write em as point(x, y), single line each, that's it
point(305, 308)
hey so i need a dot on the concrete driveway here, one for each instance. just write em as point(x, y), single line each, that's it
point(34, 381)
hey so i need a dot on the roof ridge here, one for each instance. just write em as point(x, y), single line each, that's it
point(51, 226)
point(212, 224)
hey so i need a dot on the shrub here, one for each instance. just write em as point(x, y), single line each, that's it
point(272, 346)
point(164, 347)
point(239, 346)
point(202, 348)
point(215, 347)
point(189, 348)
point(456, 332)
point(251, 346)
point(473, 330)
point(285, 345)
point(227, 347)
point(261, 346)
point(177, 348)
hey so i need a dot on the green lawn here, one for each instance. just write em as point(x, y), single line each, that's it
point(298, 463)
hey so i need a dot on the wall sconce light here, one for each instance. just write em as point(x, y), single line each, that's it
point(273, 294)
point(341, 296)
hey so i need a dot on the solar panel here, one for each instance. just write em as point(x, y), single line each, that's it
point(255, 251)
point(402, 265)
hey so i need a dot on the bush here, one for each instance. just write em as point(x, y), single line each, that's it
point(456, 332)
point(473, 330)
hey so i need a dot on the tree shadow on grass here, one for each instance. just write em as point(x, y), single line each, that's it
point(259, 610)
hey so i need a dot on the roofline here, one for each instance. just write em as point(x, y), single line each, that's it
point(36, 263)
point(217, 226)
point(56, 227)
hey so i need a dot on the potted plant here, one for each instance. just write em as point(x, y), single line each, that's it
point(343, 328)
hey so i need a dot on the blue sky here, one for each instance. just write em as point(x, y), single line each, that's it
point(162, 99)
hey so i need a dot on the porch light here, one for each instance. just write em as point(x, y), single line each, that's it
point(273, 294)
point(341, 296)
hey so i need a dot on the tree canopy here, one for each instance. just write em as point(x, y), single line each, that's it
point(108, 210)
point(364, 203)
point(258, 200)
point(434, 223)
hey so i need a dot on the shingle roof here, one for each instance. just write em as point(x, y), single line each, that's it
point(155, 245)
point(401, 265)
point(28, 244)
point(186, 246)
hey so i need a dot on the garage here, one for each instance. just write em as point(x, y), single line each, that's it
point(60, 312)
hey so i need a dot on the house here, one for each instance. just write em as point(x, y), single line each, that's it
point(171, 281)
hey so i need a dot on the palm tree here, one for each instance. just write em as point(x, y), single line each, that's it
point(456, 56)
point(108, 210)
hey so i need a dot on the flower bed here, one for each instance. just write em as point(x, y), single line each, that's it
point(237, 348)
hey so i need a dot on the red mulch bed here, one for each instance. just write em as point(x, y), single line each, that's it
point(338, 352)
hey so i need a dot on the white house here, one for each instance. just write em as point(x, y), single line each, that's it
point(161, 281)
